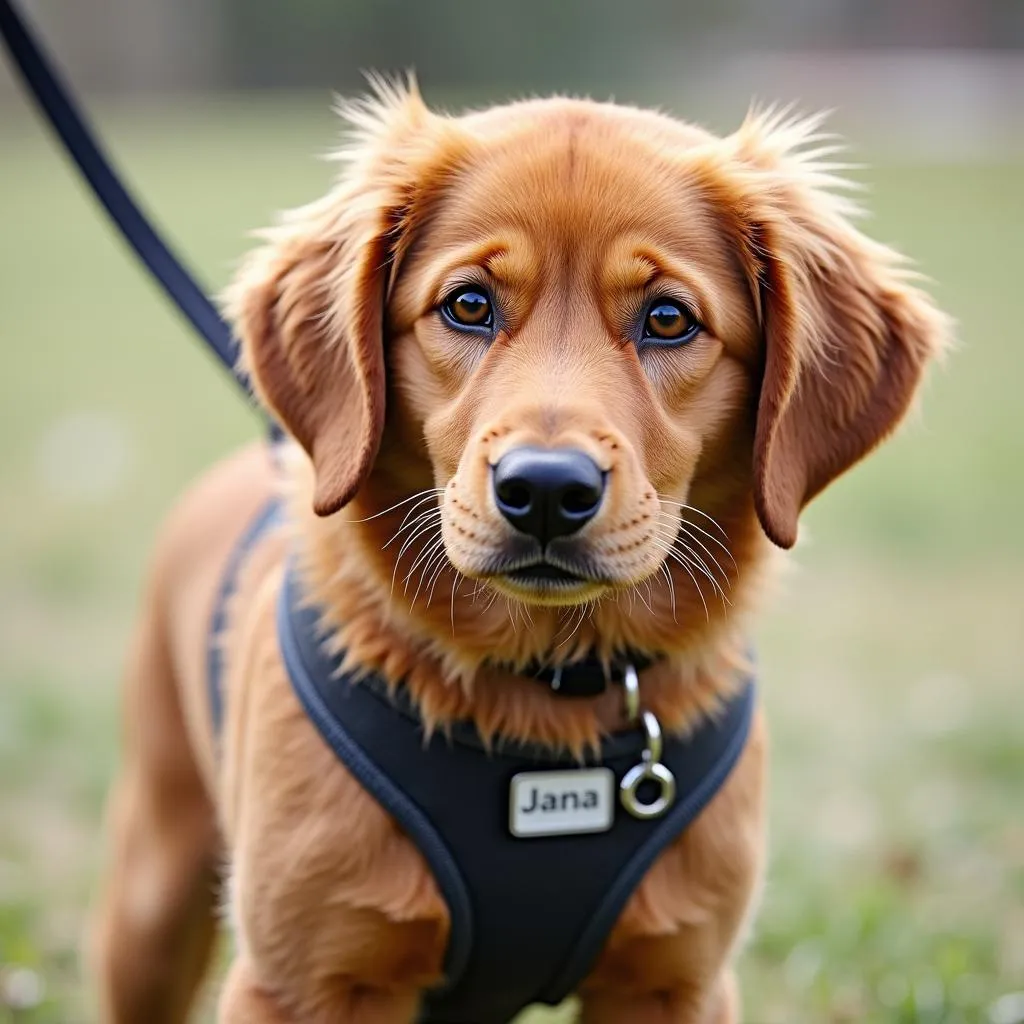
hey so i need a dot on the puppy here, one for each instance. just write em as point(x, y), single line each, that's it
point(560, 377)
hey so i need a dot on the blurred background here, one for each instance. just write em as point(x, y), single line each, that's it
point(891, 661)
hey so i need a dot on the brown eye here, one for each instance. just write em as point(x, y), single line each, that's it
point(670, 321)
point(468, 307)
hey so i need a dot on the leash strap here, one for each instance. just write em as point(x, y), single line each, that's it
point(54, 98)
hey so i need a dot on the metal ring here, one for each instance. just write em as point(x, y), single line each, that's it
point(656, 772)
point(631, 685)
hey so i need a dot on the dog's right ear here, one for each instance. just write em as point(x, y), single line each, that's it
point(308, 312)
point(308, 306)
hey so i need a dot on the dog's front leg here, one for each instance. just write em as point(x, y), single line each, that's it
point(719, 1005)
point(245, 1001)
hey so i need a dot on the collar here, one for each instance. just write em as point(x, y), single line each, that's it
point(314, 664)
point(588, 677)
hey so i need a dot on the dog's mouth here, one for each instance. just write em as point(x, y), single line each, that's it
point(545, 572)
point(546, 582)
point(567, 575)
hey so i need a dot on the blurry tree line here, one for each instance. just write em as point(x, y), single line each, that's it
point(457, 46)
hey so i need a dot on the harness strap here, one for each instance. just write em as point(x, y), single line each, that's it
point(80, 141)
point(269, 516)
point(529, 917)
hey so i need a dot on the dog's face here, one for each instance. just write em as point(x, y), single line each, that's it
point(574, 334)
point(596, 331)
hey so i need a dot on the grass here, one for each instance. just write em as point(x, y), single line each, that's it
point(891, 662)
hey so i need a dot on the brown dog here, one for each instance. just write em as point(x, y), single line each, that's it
point(696, 321)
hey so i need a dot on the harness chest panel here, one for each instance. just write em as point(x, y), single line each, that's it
point(529, 914)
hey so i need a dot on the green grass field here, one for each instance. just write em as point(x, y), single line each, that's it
point(891, 661)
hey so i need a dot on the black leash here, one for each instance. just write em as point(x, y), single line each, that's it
point(55, 100)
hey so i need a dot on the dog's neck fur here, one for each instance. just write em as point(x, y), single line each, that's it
point(444, 640)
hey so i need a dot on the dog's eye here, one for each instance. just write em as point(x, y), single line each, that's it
point(670, 321)
point(468, 307)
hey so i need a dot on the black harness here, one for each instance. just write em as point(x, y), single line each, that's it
point(529, 915)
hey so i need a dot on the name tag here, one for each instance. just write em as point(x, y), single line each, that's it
point(561, 803)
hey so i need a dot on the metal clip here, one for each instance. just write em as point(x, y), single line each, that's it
point(556, 678)
point(631, 685)
point(650, 768)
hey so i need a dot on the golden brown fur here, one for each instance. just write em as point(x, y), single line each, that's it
point(573, 214)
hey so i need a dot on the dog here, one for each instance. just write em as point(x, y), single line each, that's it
point(558, 379)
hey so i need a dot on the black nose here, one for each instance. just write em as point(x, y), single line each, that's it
point(548, 492)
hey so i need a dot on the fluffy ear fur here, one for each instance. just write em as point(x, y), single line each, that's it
point(309, 305)
point(847, 335)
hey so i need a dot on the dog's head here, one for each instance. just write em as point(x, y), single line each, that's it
point(605, 337)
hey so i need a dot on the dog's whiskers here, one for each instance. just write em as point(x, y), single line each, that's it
point(579, 613)
point(683, 507)
point(667, 546)
point(424, 525)
point(427, 551)
point(510, 613)
point(426, 560)
point(704, 548)
point(490, 601)
point(442, 564)
point(423, 520)
point(676, 527)
point(687, 556)
point(671, 589)
point(704, 569)
point(686, 523)
point(696, 583)
point(421, 495)
point(411, 518)
point(523, 612)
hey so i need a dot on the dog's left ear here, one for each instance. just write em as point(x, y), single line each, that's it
point(847, 335)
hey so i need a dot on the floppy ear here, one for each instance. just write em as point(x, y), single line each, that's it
point(309, 306)
point(847, 335)
point(313, 347)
